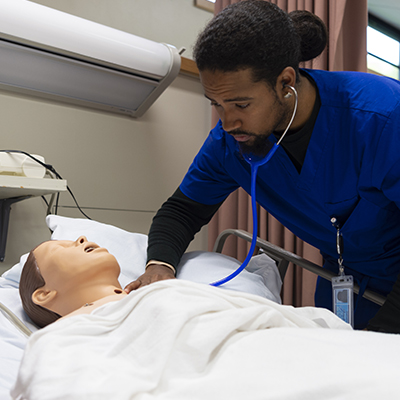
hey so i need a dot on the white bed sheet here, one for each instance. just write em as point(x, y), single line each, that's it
point(181, 340)
point(260, 278)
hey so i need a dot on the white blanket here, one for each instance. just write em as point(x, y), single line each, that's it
point(185, 341)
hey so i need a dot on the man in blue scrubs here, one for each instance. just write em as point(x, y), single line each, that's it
point(340, 158)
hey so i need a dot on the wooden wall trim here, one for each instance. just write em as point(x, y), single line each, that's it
point(188, 67)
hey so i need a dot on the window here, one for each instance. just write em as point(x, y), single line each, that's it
point(383, 48)
point(205, 4)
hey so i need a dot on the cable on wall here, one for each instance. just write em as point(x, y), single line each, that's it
point(50, 170)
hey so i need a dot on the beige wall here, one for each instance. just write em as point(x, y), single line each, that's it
point(120, 169)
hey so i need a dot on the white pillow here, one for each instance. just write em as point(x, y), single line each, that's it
point(203, 267)
point(261, 276)
point(10, 278)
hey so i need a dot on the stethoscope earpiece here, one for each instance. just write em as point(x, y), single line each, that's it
point(288, 95)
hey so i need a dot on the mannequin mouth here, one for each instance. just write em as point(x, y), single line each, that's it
point(90, 248)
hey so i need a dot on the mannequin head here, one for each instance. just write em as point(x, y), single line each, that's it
point(61, 276)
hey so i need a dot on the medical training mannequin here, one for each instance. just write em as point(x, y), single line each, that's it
point(62, 277)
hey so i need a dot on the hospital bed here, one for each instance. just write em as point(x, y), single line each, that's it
point(310, 355)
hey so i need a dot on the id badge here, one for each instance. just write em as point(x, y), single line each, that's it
point(342, 289)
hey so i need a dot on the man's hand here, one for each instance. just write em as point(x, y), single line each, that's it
point(153, 273)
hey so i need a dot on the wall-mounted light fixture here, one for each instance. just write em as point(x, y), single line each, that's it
point(55, 55)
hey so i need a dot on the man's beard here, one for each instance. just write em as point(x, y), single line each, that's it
point(259, 147)
point(260, 144)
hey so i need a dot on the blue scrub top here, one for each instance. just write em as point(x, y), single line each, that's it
point(351, 171)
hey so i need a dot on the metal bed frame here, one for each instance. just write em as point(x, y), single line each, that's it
point(283, 258)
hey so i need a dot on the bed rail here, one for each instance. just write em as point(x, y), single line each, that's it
point(15, 320)
point(284, 257)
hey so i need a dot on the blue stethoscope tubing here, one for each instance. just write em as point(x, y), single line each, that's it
point(255, 164)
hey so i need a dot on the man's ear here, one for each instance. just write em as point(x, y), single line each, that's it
point(43, 297)
point(286, 77)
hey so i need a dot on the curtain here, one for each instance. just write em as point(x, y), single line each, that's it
point(347, 21)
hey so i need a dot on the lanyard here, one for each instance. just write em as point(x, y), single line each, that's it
point(339, 245)
point(342, 285)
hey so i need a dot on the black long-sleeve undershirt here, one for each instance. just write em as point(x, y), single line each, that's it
point(175, 225)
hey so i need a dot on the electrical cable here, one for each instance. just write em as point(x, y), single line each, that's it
point(50, 168)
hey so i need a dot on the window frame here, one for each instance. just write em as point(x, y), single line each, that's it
point(388, 30)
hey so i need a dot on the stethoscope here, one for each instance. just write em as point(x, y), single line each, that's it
point(255, 164)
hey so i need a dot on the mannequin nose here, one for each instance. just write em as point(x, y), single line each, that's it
point(81, 240)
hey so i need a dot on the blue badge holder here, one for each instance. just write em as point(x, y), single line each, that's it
point(343, 301)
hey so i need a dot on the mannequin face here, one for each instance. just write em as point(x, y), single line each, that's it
point(63, 263)
point(75, 273)
point(61, 276)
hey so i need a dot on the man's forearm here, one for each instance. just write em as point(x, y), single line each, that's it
point(174, 227)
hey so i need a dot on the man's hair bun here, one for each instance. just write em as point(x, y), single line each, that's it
point(312, 31)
